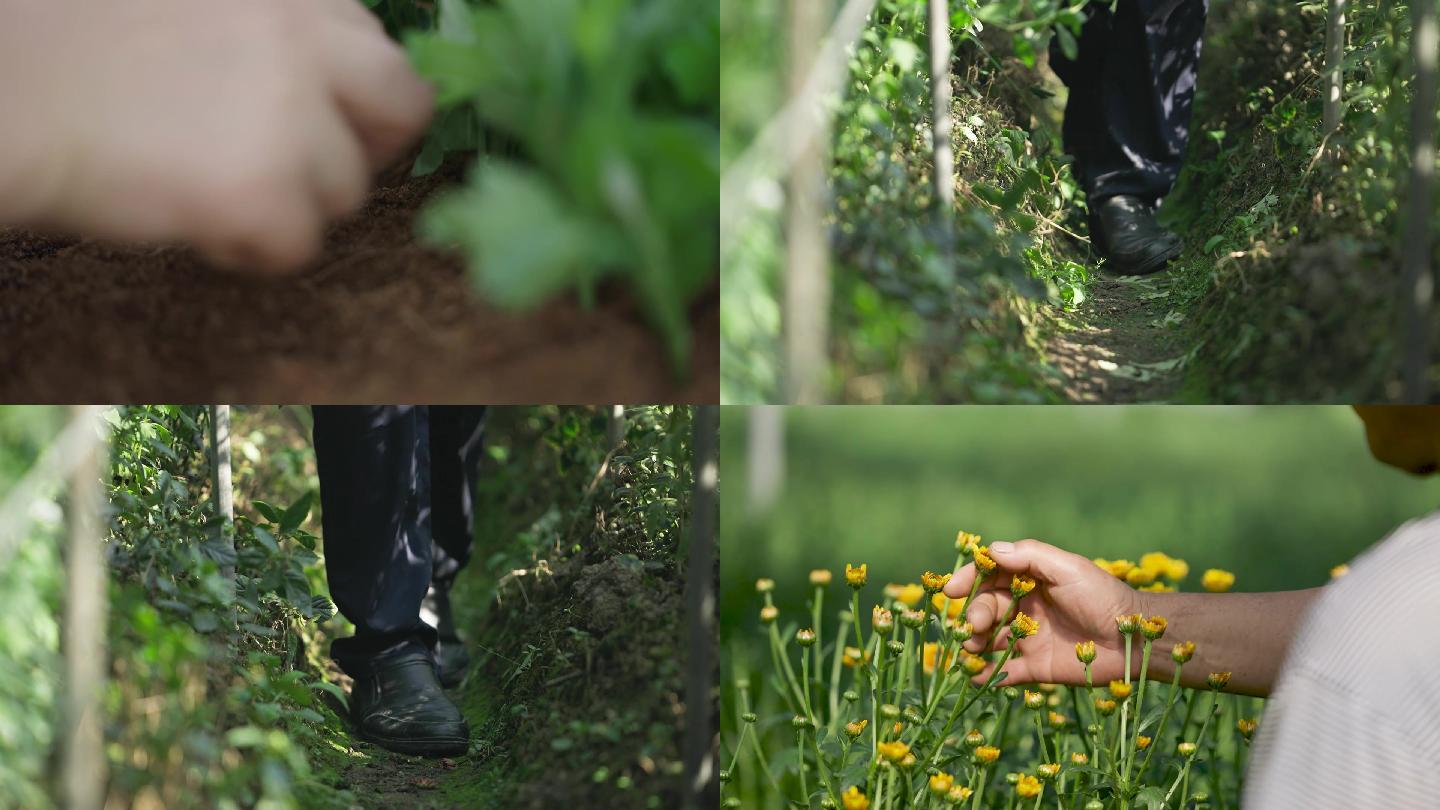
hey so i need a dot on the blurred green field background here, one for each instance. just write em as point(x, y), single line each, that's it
point(1278, 495)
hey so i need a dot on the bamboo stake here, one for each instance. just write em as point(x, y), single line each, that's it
point(615, 426)
point(1334, 75)
point(701, 740)
point(807, 276)
point(765, 457)
point(224, 494)
point(1417, 250)
point(82, 760)
point(940, 130)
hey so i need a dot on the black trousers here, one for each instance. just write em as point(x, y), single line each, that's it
point(396, 493)
point(1131, 85)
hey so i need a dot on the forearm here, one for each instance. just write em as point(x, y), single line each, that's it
point(1245, 634)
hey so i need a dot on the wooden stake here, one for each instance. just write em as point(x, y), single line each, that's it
point(701, 743)
point(1417, 250)
point(940, 130)
point(82, 759)
point(224, 494)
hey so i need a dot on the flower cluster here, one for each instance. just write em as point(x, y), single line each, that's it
point(913, 709)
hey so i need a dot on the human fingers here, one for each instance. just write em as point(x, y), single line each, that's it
point(1017, 670)
point(385, 102)
point(339, 167)
point(1044, 562)
point(985, 610)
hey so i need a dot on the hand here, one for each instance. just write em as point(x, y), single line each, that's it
point(1073, 601)
point(240, 127)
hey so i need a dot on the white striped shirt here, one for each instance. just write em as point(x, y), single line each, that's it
point(1355, 719)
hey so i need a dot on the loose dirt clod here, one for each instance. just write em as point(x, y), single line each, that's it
point(378, 317)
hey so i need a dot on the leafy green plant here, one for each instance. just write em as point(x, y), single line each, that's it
point(612, 110)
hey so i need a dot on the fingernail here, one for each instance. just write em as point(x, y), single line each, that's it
point(1002, 546)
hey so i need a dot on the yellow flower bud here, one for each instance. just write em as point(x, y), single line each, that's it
point(941, 783)
point(965, 541)
point(932, 582)
point(1339, 571)
point(986, 754)
point(820, 576)
point(974, 739)
point(1182, 653)
point(851, 658)
point(1121, 690)
point(764, 585)
point(1185, 749)
point(1021, 585)
point(1105, 706)
point(1085, 651)
point(769, 614)
point(1139, 576)
point(912, 619)
point(1023, 626)
point(1154, 627)
point(958, 794)
point(1034, 700)
point(972, 664)
point(882, 620)
point(984, 566)
point(1142, 742)
point(1028, 787)
point(855, 577)
point(1218, 680)
point(853, 799)
point(1080, 758)
point(894, 750)
point(805, 638)
point(909, 594)
point(1216, 580)
point(1058, 720)
point(1246, 727)
point(1128, 623)
point(1048, 770)
point(856, 728)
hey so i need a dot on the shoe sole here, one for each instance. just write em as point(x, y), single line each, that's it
point(435, 747)
point(1149, 266)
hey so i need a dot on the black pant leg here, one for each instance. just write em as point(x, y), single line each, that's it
point(1127, 120)
point(457, 438)
point(377, 546)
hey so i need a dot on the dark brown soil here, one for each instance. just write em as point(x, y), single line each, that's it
point(377, 318)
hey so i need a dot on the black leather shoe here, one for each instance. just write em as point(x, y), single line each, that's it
point(449, 651)
point(401, 707)
point(1124, 230)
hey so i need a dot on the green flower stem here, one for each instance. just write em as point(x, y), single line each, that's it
point(800, 766)
point(788, 671)
point(920, 650)
point(1124, 740)
point(945, 732)
point(1040, 738)
point(1139, 707)
point(818, 650)
point(1160, 732)
point(1080, 719)
point(1185, 772)
point(830, 787)
point(740, 743)
point(1010, 805)
point(838, 657)
point(805, 684)
point(979, 788)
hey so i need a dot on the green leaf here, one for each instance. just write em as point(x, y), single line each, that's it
point(337, 692)
point(1150, 797)
point(1213, 242)
point(296, 514)
point(265, 538)
point(245, 737)
point(269, 512)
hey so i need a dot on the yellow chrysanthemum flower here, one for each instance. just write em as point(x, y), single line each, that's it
point(1153, 627)
point(941, 783)
point(1023, 626)
point(1246, 727)
point(986, 754)
point(964, 541)
point(1159, 564)
point(950, 608)
point(1021, 585)
point(1182, 653)
point(1128, 623)
point(1028, 787)
point(933, 582)
point(853, 799)
point(856, 728)
point(910, 594)
point(1121, 690)
point(895, 750)
point(854, 576)
point(958, 794)
point(984, 565)
point(1105, 706)
point(1116, 568)
point(1139, 576)
point(931, 651)
point(1216, 580)
point(1339, 571)
point(1157, 587)
point(972, 664)
point(1142, 742)
point(1085, 652)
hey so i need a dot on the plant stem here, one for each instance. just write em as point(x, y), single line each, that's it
point(1199, 739)
point(1139, 706)
point(818, 651)
point(979, 788)
point(1160, 732)
point(800, 766)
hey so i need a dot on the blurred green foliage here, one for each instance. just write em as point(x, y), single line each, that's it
point(1278, 495)
point(613, 109)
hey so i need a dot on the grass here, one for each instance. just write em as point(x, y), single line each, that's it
point(1276, 494)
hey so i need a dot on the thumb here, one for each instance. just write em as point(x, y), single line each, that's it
point(1040, 560)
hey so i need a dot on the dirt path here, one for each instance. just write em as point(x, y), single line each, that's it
point(378, 318)
point(1121, 345)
